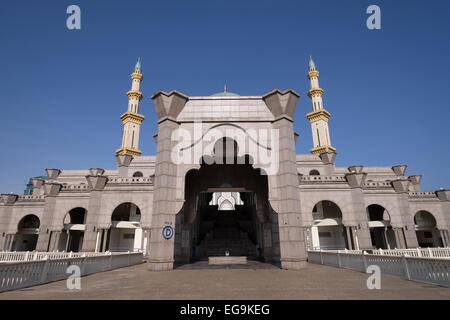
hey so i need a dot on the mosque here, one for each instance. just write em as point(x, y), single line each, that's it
point(225, 178)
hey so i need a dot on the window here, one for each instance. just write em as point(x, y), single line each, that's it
point(137, 174)
point(314, 172)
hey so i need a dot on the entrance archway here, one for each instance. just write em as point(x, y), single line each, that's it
point(125, 233)
point(381, 232)
point(327, 231)
point(71, 238)
point(226, 209)
point(27, 234)
point(426, 231)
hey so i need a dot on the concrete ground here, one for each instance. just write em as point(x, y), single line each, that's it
point(252, 282)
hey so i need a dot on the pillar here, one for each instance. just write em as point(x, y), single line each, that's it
point(315, 237)
point(165, 204)
point(287, 203)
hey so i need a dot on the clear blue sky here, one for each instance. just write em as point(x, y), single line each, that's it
point(62, 91)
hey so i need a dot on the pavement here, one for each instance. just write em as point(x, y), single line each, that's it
point(253, 282)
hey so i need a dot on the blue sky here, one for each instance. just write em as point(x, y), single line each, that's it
point(62, 91)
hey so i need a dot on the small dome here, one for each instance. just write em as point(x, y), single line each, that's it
point(311, 62)
point(224, 94)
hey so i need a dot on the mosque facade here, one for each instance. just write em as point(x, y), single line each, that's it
point(225, 178)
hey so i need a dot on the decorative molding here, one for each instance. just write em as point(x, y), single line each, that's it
point(132, 117)
point(137, 75)
point(128, 151)
point(400, 185)
point(313, 73)
point(281, 102)
point(415, 179)
point(9, 199)
point(316, 92)
point(443, 195)
point(323, 149)
point(321, 114)
point(53, 173)
point(169, 104)
point(124, 160)
point(399, 169)
point(52, 189)
point(97, 182)
point(96, 171)
point(355, 180)
point(36, 182)
point(134, 94)
point(357, 169)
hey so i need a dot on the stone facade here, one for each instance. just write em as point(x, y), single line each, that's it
point(163, 204)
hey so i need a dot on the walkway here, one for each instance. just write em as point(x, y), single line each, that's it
point(314, 282)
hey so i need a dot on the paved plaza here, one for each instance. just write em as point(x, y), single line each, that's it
point(251, 282)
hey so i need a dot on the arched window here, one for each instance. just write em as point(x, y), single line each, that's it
point(76, 216)
point(137, 174)
point(29, 222)
point(426, 231)
point(381, 233)
point(376, 212)
point(327, 231)
point(27, 234)
point(126, 212)
point(314, 172)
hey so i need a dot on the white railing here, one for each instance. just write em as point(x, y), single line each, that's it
point(15, 275)
point(419, 252)
point(422, 269)
point(35, 255)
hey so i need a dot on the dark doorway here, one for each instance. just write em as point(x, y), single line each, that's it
point(248, 227)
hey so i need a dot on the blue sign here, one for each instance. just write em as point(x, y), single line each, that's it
point(167, 232)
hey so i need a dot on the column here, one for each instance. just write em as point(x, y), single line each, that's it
point(355, 237)
point(444, 240)
point(287, 201)
point(97, 241)
point(137, 240)
point(315, 237)
point(165, 202)
point(54, 240)
point(398, 238)
point(386, 240)
point(349, 238)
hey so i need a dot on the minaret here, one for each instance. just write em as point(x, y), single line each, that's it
point(319, 116)
point(132, 119)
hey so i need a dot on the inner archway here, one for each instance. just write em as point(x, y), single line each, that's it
point(226, 210)
point(125, 233)
point(327, 231)
point(71, 238)
point(27, 234)
point(381, 233)
point(426, 231)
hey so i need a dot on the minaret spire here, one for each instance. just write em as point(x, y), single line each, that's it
point(319, 116)
point(132, 119)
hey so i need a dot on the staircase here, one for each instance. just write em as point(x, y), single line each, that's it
point(226, 235)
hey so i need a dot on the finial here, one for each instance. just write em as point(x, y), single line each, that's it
point(225, 89)
point(138, 63)
point(311, 62)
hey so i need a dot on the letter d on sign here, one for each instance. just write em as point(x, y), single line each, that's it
point(374, 21)
point(74, 20)
point(374, 281)
point(74, 280)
